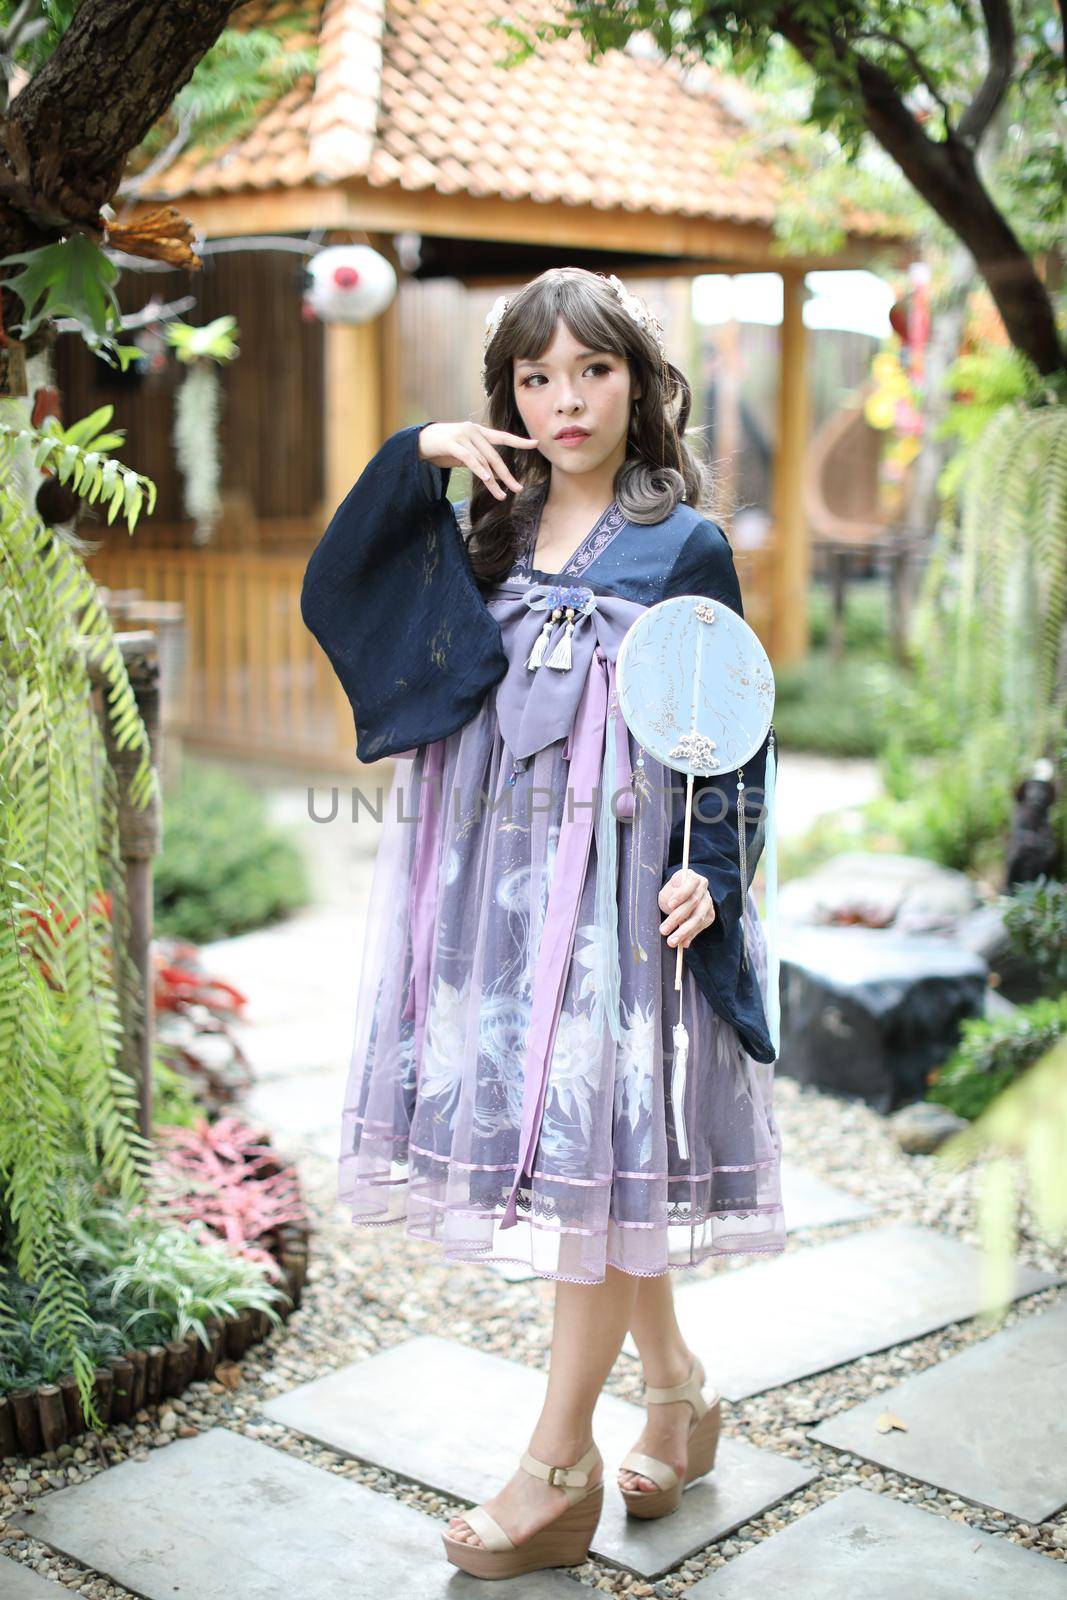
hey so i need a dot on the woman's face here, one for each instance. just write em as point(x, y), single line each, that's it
point(570, 386)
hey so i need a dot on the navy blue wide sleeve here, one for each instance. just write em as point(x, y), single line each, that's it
point(705, 566)
point(390, 595)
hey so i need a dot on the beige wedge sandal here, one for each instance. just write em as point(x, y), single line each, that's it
point(703, 1441)
point(563, 1543)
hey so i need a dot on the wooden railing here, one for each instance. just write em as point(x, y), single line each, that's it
point(256, 682)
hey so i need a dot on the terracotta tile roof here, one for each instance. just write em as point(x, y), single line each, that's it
point(410, 93)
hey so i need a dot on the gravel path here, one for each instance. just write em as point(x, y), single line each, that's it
point(416, 1292)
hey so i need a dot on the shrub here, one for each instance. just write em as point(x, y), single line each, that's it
point(993, 1052)
point(1035, 918)
point(837, 710)
point(223, 868)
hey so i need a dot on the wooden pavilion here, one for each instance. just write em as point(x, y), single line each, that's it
point(469, 176)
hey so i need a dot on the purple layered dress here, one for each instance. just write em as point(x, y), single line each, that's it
point(509, 1089)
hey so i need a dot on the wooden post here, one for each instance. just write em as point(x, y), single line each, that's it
point(791, 567)
point(140, 838)
point(355, 402)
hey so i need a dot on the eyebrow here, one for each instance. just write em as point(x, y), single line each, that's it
point(580, 356)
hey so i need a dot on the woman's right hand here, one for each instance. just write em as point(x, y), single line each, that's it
point(469, 444)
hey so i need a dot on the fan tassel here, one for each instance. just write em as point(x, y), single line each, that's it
point(681, 1058)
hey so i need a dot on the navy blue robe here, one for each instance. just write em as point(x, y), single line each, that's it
point(392, 569)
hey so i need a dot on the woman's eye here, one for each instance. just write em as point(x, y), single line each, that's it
point(600, 366)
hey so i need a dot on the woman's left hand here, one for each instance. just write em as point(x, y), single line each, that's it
point(687, 899)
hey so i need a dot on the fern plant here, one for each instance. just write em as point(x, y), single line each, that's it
point(66, 980)
point(990, 629)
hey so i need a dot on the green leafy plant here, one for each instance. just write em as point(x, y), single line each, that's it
point(213, 342)
point(1021, 1134)
point(72, 278)
point(993, 1052)
point(171, 1277)
point(66, 980)
point(1035, 918)
point(79, 454)
point(223, 868)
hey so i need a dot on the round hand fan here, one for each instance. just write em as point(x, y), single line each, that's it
point(696, 690)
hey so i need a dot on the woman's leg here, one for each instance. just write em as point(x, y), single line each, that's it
point(665, 1360)
point(588, 1327)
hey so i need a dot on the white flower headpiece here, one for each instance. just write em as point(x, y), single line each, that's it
point(632, 304)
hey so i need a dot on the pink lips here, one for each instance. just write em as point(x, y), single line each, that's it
point(571, 438)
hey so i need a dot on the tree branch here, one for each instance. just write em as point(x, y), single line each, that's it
point(1000, 32)
point(916, 64)
point(946, 176)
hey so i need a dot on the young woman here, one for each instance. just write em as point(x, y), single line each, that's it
point(509, 1093)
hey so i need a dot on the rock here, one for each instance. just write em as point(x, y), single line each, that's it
point(923, 1127)
point(869, 1012)
point(880, 890)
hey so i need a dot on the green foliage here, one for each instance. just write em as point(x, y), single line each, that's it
point(67, 984)
point(144, 1281)
point(866, 617)
point(1035, 918)
point(213, 342)
point(993, 1052)
point(80, 454)
point(832, 708)
point(72, 278)
point(1024, 1128)
point(988, 637)
point(957, 806)
point(223, 868)
point(236, 81)
point(985, 381)
point(173, 1102)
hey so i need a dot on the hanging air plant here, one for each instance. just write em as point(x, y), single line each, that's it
point(196, 416)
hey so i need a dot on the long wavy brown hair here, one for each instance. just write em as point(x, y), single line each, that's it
point(660, 468)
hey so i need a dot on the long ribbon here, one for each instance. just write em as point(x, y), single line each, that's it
point(561, 916)
point(771, 901)
point(423, 901)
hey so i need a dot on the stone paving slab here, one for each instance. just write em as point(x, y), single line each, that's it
point(989, 1424)
point(224, 1517)
point(457, 1420)
point(811, 1202)
point(19, 1582)
point(768, 1323)
point(864, 1546)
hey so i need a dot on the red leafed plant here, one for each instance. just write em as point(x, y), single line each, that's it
point(224, 1176)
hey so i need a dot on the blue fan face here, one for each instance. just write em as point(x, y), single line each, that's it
point(695, 685)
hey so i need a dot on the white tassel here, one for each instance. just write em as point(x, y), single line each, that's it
point(561, 655)
point(681, 1058)
point(537, 654)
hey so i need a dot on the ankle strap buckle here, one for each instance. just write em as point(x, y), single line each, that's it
point(557, 1476)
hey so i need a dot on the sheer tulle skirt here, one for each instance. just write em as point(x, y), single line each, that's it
point(434, 1145)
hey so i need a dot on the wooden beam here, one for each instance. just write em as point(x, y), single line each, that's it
point(692, 243)
point(791, 567)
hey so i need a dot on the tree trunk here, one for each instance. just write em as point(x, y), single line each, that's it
point(68, 133)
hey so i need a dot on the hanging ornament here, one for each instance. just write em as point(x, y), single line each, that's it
point(696, 690)
point(348, 283)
